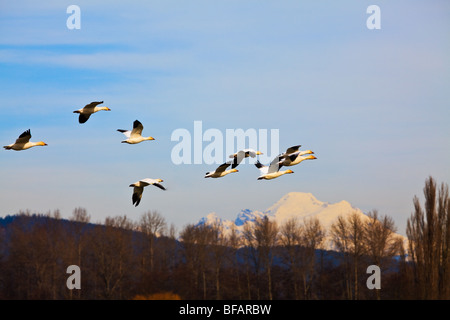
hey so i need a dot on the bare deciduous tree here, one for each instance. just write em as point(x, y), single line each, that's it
point(290, 239)
point(381, 242)
point(311, 240)
point(112, 249)
point(428, 231)
point(380, 239)
point(219, 249)
point(348, 236)
point(196, 241)
point(152, 224)
point(266, 237)
point(301, 240)
point(234, 244)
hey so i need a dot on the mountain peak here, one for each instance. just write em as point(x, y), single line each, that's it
point(246, 215)
point(295, 204)
point(210, 219)
point(298, 195)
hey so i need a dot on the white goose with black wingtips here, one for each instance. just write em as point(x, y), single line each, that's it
point(135, 136)
point(23, 142)
point(138, 188)
point(90, 109)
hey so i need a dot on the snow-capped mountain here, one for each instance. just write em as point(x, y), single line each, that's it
point(293, 205)
point(305, 205)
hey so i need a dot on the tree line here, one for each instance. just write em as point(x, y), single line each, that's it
point(147, 259)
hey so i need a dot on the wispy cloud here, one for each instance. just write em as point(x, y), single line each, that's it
point(107, 61)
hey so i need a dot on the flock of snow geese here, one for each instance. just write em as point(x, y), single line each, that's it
point(292, 156)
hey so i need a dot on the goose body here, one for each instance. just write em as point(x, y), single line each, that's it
point(221, 171)
point(296, 158)
point(272, 171)
point(134, 136)
point(240, 155)
point(23, 142)
point(138, 188)
point(89, 109)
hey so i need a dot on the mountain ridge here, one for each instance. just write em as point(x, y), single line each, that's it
point(299, 205)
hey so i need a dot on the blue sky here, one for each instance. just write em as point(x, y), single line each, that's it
point(372, 104)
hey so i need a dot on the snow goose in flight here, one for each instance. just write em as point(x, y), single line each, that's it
point(220, 171)
point(134, 136)
point(272, 171)
point(294, 150)
point(240, 155)
point(23, 142)
point(295, 158)
point(89, 109)
point(139, 188)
